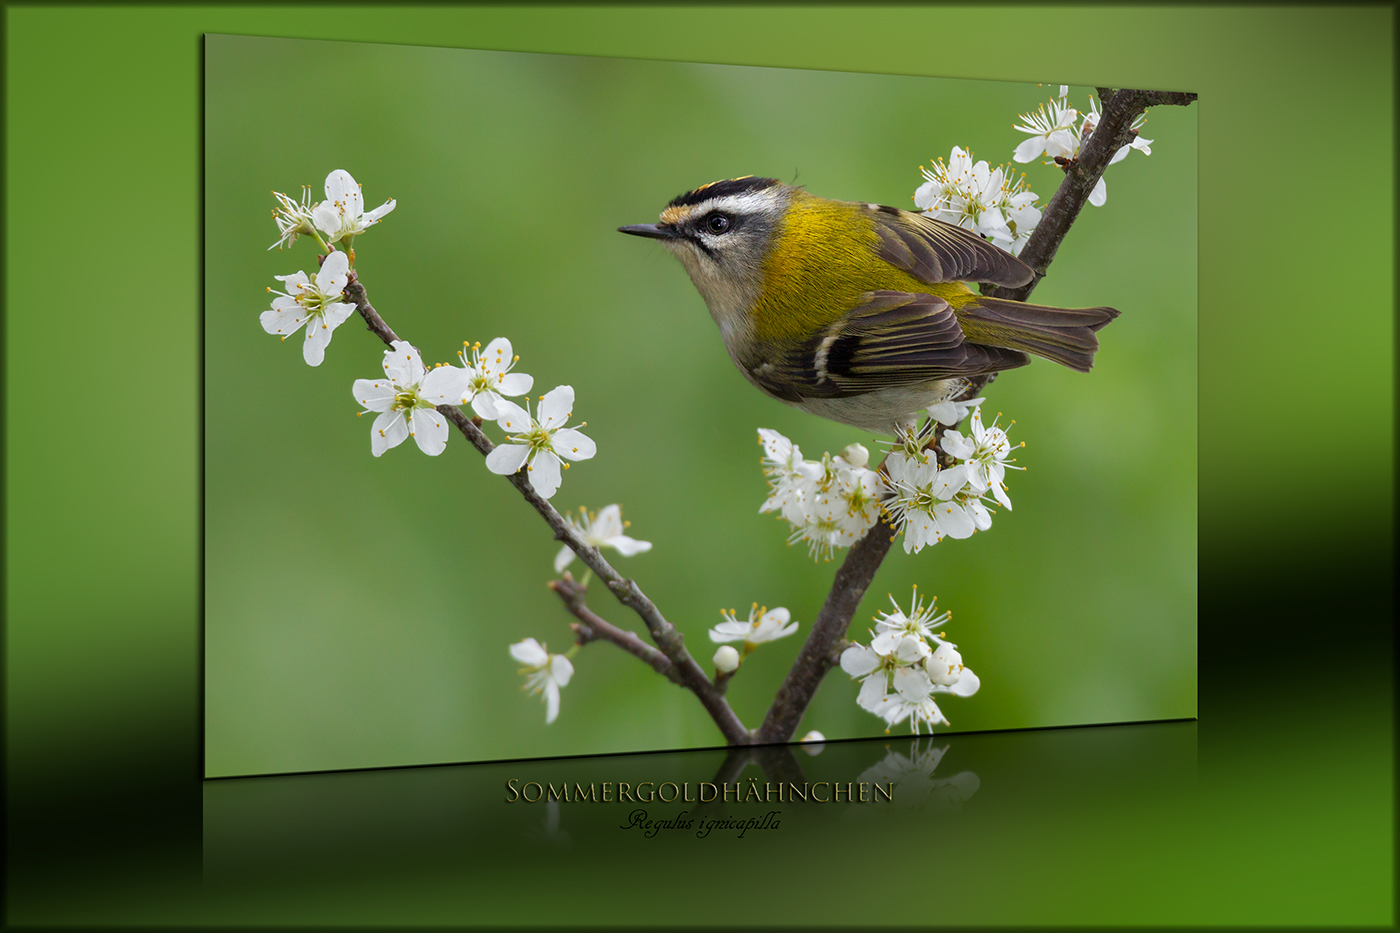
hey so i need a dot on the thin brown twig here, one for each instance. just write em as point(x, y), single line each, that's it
point(667, 638)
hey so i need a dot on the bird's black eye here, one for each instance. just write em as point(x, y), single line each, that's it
point(717, 223)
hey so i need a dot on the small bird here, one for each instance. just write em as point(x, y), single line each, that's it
point(857, 312)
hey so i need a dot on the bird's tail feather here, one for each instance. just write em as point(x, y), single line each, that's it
point(1064, 335)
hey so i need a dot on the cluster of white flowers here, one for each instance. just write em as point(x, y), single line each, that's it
point(989, 201)
point(994, 202)
point(929, 502)
point(406, 399)
point(833, 502)
point(409, 395)
point(545, 673)
point(314, 301)
point(340, 217)
point(829, 503)
point(1052, 133)
point(906, 655)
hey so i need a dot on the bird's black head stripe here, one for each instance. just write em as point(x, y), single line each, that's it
point(719, 189)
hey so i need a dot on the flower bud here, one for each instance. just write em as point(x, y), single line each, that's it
point(944, 666)
point(726, 659)
point(856, 455)
point(813, 740)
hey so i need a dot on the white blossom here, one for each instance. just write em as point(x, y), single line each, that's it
point(919, 622)
point(406, 400)
point(1051, 132)
point(601, 530)
point(544, 673)
point(342, 213)
point(913, 776)
point(726, 659)
point(923, 504)
point(763, 625)
point(791, 480)
point(314, 302)
point(984, 455)
point(293, 218)
point(486, 376)
point(951, 412)
point(906, 663)
point(964, 193)
point(541, 441)
point(847, 507)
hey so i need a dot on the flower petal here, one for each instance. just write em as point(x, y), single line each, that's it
point(561, 669)
point(388, 430)
point(510, 416)
point(544, 473)
point(283, 320)
point(402, 364)
point(515, 383)
point(858, 660)
point(953, 520)
point(628, 546)
point(1099, 195)
point(374, 216)
point(872, 693)
point(318, 337)
point(529, 652)
point(968, 684)
point(445, 385)
point(551, 701)
point(429, 429)
point(334, 274)
point(374, 394)
point(486, 405)
point(507, 459)
point(573, 445)
point(555, 406)
point(563, 558)
point(342, 189)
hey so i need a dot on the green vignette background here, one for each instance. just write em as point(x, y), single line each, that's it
point(358, 610)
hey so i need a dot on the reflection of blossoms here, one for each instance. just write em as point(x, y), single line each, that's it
point(912, 777)
point(763, 625)
point(314, 302)
point(601, 530)
point(540, 442)
point(906, 664)
point(545, 673)
point(406, 399)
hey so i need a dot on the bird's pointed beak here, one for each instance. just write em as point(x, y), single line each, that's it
point(653, 231)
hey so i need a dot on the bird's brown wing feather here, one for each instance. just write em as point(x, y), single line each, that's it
point(933, 251)
point(892, 339)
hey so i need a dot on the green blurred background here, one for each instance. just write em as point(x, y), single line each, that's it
point(358, 610)
point(1293, 818)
